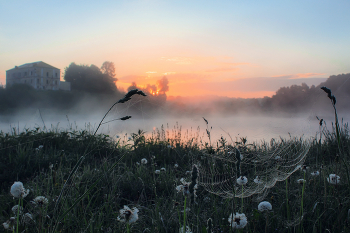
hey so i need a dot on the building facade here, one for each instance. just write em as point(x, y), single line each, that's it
point(39, 75)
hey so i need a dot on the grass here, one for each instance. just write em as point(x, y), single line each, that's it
point(112, 175)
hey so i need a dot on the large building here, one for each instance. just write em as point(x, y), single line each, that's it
point(39, 75)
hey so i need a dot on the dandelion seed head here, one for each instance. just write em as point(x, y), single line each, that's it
point(15, 209)
point(187, 230)
point(144, 161)
point(176, 165)
point(157, 171)
point(301, 181)
point(333, 179)
point(316, 173)
point(18, 191)
point(257, 180)
point(237, 221)
point(242, 180)
point(163, 169)
point(9, 224)
point(40, 201)
point(128, 215)
point(264, 206)
point(27, 218)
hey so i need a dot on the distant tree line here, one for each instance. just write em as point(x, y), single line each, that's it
point(292, 99)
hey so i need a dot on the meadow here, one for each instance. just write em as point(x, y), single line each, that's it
point(82, 181)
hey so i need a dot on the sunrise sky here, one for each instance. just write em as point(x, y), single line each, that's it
point(223, 48)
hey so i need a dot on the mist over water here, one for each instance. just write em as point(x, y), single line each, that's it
point(256, 128)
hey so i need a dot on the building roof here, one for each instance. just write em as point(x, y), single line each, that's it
point(34, 64)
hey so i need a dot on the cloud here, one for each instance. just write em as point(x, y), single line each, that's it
point(308, 75)
point(179, 60)
point(299, 76)
point(169, 73)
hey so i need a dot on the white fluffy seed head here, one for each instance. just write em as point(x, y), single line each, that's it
point(144, 161)
point(264, 206)
point(128, 215)
point(237, 221)
point(40, 201)
point(242, 180)
point(333, 179)
point(18, 191)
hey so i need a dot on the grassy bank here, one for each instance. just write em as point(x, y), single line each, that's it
point(42, 161)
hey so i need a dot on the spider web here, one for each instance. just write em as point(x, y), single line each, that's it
point(263, 166)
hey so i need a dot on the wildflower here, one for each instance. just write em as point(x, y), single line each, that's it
point(157, 171)
point(176, 165)
point(265, 205)
point(316, 173)
point(301, 181)
point(18, 191)
point(187, 230)
point(237, 221)
point(333, 179)
point(51, 166)
point(16, 211)
point(10, 224)
point(27, 218)
point(163, 169)
point(137, 163)
point(188, 172)
point(41, 146)
point(128, 215)
point(40, 201)
point(242, 180)
point(144, 161)
point(257, 180)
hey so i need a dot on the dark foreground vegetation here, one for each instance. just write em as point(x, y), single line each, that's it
point(43, 160)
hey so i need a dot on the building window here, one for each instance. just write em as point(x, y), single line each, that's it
point(31, 72)
point(47, 74)
point(47, 81)
point(37, 81)
point(56, 75)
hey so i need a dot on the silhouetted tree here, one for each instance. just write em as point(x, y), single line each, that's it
point(90, 79)
point(108, 68)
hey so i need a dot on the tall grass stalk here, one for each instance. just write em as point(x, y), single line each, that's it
point(287, 202)
point(126, 98)
point(184, 223)
point(302, 205)
point(337, 130)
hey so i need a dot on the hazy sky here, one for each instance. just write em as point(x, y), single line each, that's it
point(227, 48)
